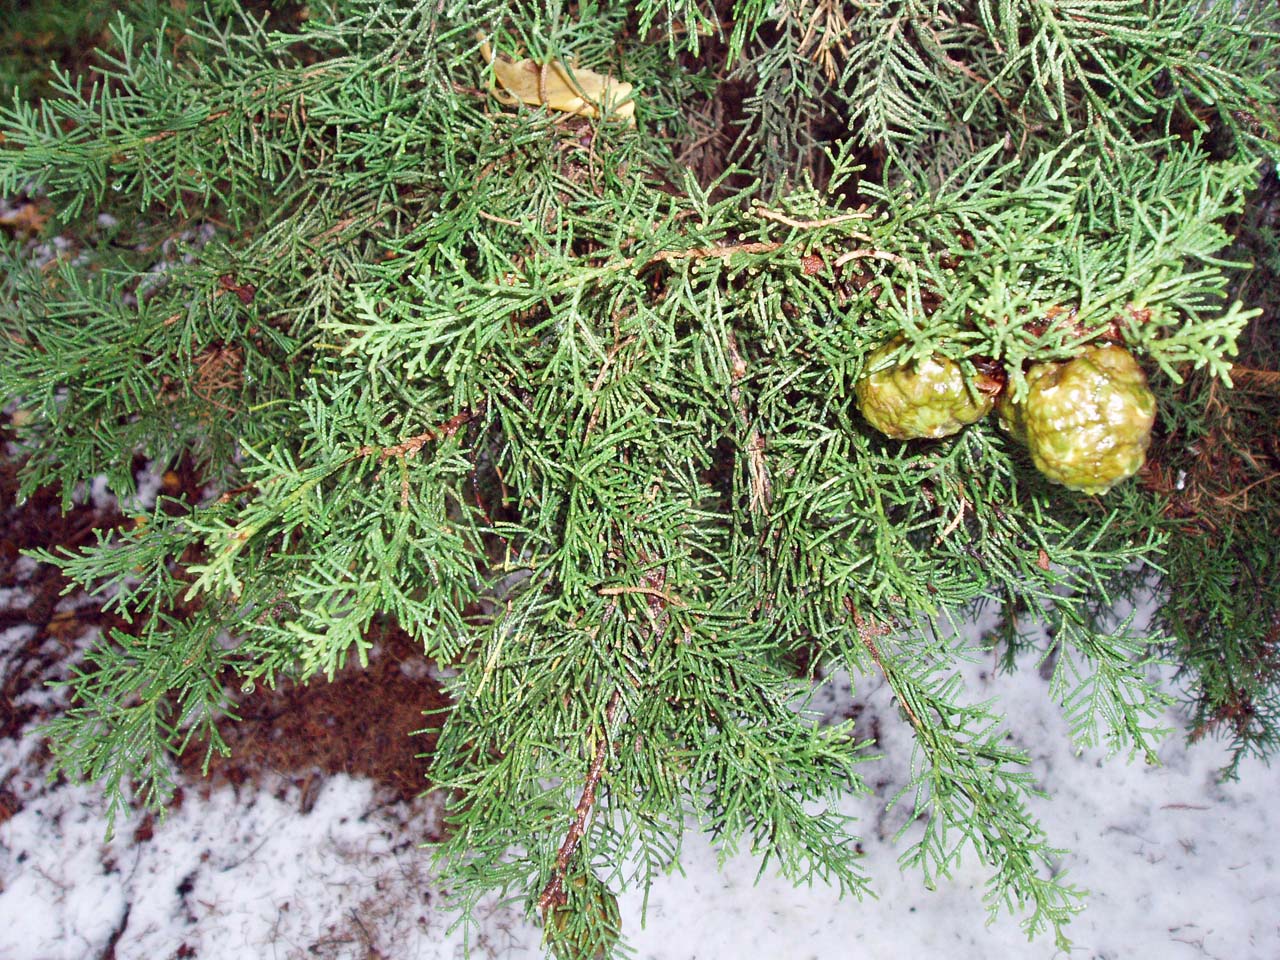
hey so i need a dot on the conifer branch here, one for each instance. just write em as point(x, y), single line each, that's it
point(684, 441)
point(702, 253)
point(867, 630)
point(553, 893)
point(645, 590)
point(600, 377)
point(763, 211)
point(409, 447)
point(758, 468)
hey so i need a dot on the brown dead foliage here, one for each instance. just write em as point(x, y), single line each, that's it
point(1233, 461)
point(216, 380)
point(27, 218)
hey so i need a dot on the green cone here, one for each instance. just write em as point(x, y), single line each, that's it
point(929, 398)
point(1087, 422)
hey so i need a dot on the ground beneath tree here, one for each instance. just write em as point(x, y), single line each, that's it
point(362, 723)
point(306, 842)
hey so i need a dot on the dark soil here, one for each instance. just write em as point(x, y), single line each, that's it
point(361, 723)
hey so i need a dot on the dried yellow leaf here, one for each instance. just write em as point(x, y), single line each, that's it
point(559, 86)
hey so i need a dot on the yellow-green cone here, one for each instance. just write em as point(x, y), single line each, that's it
point(929, 398)
point(1087, 422)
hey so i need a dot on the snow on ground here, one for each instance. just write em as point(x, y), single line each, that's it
point(1178, 865)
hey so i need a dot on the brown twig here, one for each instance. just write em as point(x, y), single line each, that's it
point(219, 114)
point(704, 253)
point(957, 65)
point(409, 447)
point(166, 134)
point(1228, 498)
point(768, 214)
point(867, 632)
point(553, 893)
point(758, 468)
point(235, 492)
point(336, 228)
point(955, 522)
point(654, 587)
point(868, 255)
point(835, 31)
point(497, 219)
point(1265, 378)
point(599, 380)
point(662, 595)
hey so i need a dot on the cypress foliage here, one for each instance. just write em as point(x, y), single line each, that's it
point(570, 395)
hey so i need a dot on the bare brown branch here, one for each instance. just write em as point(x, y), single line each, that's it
point(553, 893)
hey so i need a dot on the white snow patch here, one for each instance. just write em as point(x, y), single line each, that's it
point(1178, 865)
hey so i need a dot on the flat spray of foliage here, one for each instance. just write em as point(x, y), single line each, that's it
point(570, 398)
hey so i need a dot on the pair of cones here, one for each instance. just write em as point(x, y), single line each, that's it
point(1086, 422)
